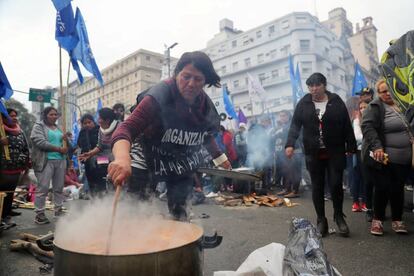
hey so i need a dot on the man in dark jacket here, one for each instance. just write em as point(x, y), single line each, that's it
point(327, 137)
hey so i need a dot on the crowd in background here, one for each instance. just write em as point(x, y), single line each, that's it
point(376, 170)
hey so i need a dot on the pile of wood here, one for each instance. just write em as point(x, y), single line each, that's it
point(30, 205)
point(27, 242)
point(234, 200)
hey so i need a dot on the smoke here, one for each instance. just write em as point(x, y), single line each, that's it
point(138, 228)
point(259, 149)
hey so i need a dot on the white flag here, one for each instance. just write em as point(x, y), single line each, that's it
point(256, 90)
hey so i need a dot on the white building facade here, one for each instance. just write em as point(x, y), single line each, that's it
point(264, 51)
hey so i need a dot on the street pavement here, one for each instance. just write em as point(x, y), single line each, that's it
point(247, 228)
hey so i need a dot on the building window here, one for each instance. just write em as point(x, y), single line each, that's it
point(328, 72)
point(340, 59)
point(262, 77)
point(275, 74)
point(287, 73)
point(260, 58)
point(285, 24)
point(148, 58)
point(326, 51)
point(306, 67)
point(304, 45)
point(247, 62)
point(342, 78)
point(235, 83)
point(223, 69)
point(285, 50)
point(234, 43)
point(301, 19)
point(271, 29)
point(235, 66)
point(258, 34)
point(273, 53)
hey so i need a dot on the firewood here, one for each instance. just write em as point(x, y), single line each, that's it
point(16, 245)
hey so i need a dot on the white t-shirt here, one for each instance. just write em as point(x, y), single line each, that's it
point(320, 108)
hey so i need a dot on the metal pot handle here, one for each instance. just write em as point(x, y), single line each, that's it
point(211, 241)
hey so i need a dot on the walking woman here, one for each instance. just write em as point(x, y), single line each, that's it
point(19, 162)
point(49, 162)
point(386, 150)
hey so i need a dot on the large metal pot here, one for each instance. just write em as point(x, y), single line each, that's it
point(186, 259)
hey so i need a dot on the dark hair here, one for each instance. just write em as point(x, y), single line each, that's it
point(107, 114)
point(9, 110)
point(118, 105)
point(203, 63)
point(87, 116)
point(46, 111)
point(367, 90)
point(222, 128)
point(316, 79)
point(285, 111)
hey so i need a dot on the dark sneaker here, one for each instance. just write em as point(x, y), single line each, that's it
point(41, 219)
point(342, 226)
point(14, 213)
point(59, 213)
point(282, 193)
point(369, 215)
point(322, 226)
point(399, 227)
point(292, 195)
point(376, 228)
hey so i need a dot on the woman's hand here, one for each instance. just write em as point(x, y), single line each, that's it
point(4, 141)
point(119, 170)
point(226, 165)
point(63, 150)
point(379, 155)
point(289, 152)
point(84, 156)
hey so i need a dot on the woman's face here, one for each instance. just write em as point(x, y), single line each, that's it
point(88, 124)
point(52, 117)
point(384, 94)
point(103, 123)
point(362, 107)
point(190, 82)
point(13, 116)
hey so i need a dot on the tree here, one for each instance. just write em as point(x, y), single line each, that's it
point(26, 119)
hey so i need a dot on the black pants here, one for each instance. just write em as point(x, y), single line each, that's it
point(291, 172)
point(389, 186)
point(178, 193)
point(139, 183)
point(333, 168)
point(8, 182)
point(369, 184)
point(97, 180)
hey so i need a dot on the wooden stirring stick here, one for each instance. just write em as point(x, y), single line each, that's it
point(111, 225)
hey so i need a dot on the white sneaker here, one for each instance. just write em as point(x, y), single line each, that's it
point(212, 194)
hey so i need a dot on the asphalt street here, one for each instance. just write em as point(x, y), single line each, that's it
point(247, 228)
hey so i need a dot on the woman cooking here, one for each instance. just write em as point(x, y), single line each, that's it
point(176, 118)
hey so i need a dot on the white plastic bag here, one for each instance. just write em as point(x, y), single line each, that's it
point(265, 261)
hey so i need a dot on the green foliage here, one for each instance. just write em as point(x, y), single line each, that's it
point(26, 119)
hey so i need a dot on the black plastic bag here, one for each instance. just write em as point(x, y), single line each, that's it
point(304, 253)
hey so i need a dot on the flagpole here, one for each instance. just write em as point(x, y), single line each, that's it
point(3, 135)
point(62, 100)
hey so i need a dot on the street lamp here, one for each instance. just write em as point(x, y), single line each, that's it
point(167, 52)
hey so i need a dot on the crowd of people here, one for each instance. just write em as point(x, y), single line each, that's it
point(174, 128)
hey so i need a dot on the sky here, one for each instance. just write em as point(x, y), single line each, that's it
point(30, 54)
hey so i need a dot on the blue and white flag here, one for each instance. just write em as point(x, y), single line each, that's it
point(256, 90)
point(61, 4)
point(83, 51)
point(76, 67)
point(65, 32)
point(294, 83)
point(99, 107)
point(228, 105)
point(75, 131)
point(359, 80)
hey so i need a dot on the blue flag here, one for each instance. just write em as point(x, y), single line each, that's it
point(359, 80)
point(75, 131)
point(99, 107)
point(242, 117)
point(298, 81)
point(5, 89)
point(228, 105)
point(65, 32)
point(293, 82)
point(83, 51)
point(60, 4)
point(76, 67)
